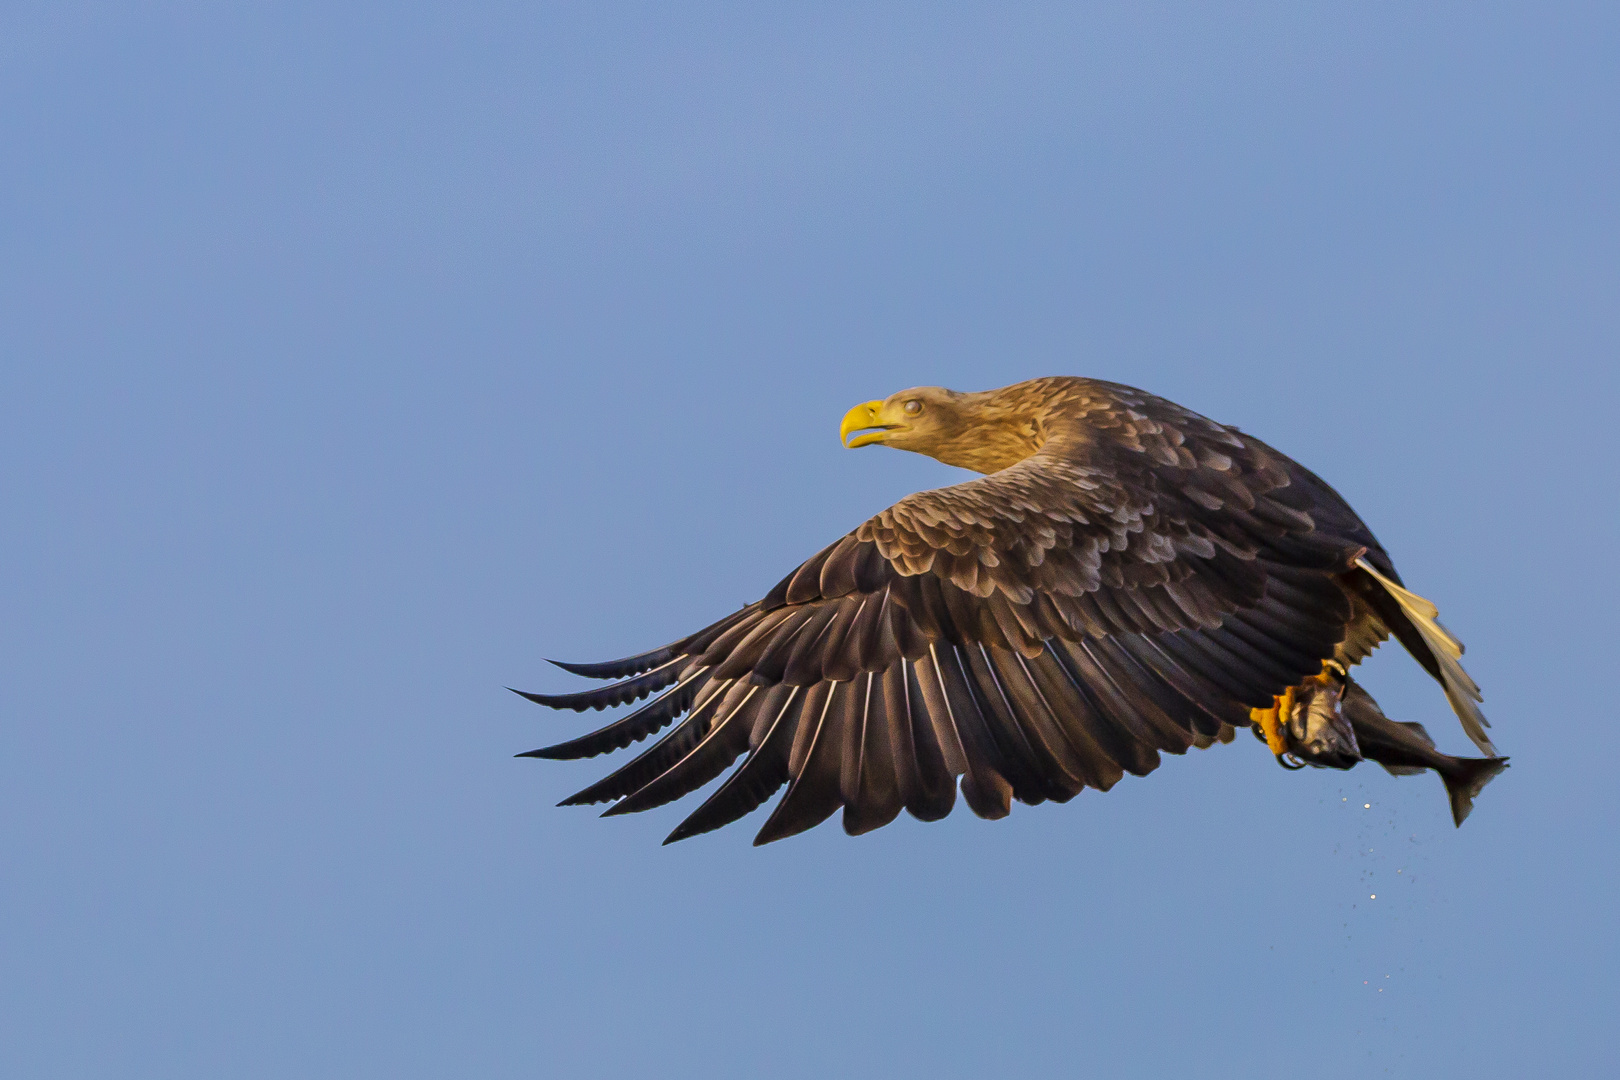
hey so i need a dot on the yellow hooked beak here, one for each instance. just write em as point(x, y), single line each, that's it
point(866, 420)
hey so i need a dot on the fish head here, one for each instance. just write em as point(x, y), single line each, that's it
point(1316, 729)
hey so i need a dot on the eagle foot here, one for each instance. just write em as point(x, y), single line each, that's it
point(1306, 726)
point(1269, 722)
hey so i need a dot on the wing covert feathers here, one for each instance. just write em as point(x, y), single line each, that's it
point(1131, 590)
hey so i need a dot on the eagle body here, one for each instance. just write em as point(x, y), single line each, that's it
point(1126, 579)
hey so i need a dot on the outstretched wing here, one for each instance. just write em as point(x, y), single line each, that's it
point(1132, 589)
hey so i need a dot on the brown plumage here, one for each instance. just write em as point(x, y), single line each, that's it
point(1128, 579)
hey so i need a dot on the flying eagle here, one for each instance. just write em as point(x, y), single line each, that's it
point(1127, 578)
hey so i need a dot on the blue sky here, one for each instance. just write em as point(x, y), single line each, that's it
point(356, 357)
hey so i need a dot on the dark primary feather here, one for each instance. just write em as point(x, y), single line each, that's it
point(635, 665)
point(620, 693)
point(653, 716)
point(1131, 589)
point(618, 669)
point(760, 775)
point(725, 740)
point(812, 796)
point(869, 781)
point(650, 763)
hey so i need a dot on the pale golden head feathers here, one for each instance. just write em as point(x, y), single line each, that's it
point(985, 431)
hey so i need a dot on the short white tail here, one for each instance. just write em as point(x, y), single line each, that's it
point(1461, 691)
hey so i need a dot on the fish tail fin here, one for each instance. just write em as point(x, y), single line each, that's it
point(1461, 690)
point(1466, 779)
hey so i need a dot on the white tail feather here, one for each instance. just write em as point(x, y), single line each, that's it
point(1461, 691)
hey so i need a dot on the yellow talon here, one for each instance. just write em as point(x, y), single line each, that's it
point(1271, 721)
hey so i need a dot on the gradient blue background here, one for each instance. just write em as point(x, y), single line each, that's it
point(355, 357)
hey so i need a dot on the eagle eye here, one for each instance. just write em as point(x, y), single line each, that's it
point(912, 407)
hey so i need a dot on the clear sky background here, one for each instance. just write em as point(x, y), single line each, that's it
point(355, 357)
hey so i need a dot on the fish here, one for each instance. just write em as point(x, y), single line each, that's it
point(1405, 748)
